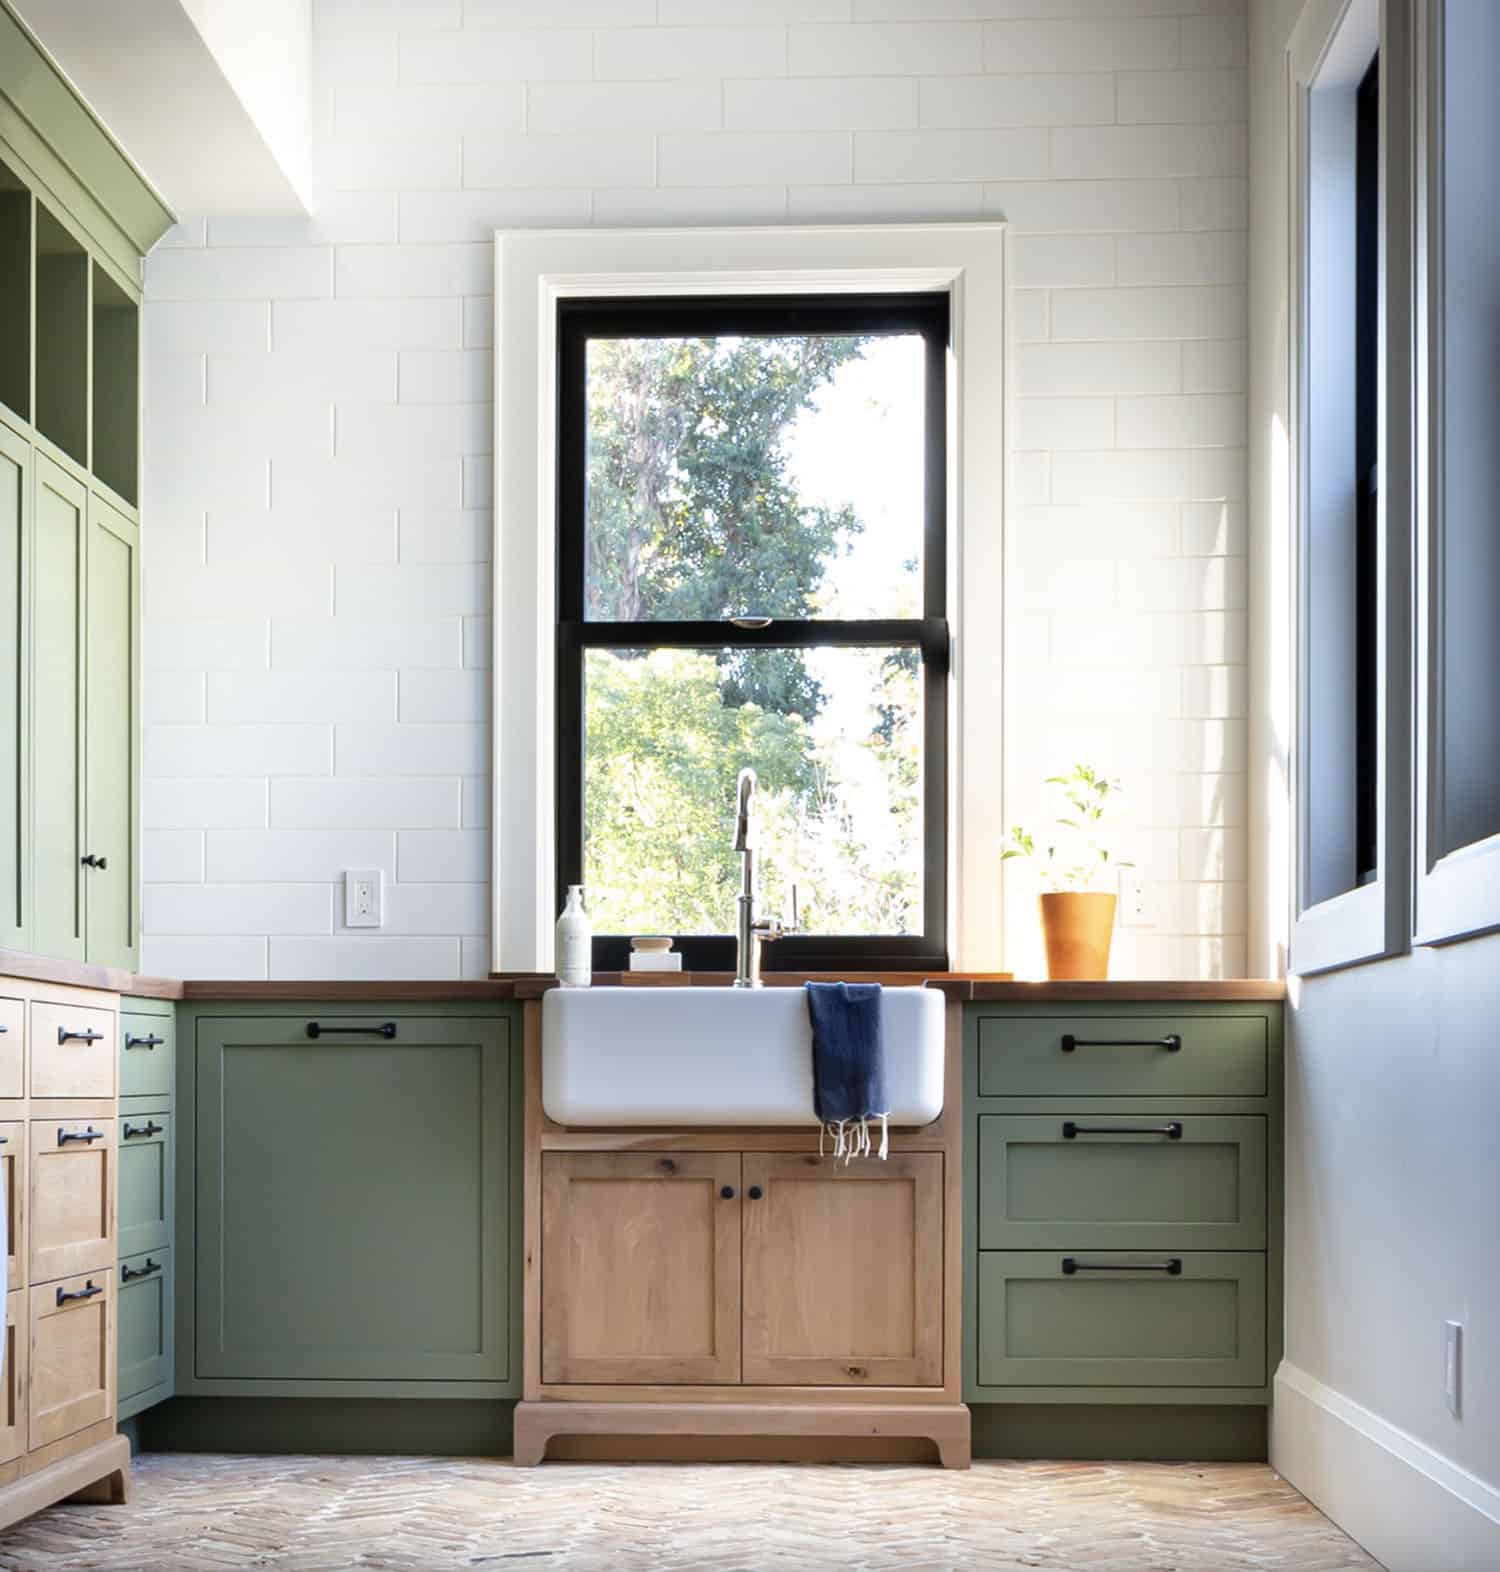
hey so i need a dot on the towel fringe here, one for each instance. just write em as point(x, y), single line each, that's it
point(852, 1138)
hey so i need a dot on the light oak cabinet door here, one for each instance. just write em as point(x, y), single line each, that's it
point(641, 1267)
point(72, 1197)
point(72, 1376)
point(13, 1174)
point(13, 1378)
point(843, 1271)
point(12, 1048)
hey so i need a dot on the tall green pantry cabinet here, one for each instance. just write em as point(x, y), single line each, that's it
point(76, 218)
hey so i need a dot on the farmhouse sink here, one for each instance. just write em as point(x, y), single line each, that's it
point(718, 1056)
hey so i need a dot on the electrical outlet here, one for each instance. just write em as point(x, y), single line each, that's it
point(1135, 903)
point(1453, 1366)
point(364, 898)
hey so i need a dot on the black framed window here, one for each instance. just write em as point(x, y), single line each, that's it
point(752, 570)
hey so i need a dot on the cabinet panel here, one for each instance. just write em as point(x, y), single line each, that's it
point(57, 705)
point(17, 1358)
point(12, 1047)
point(72, 1375)
point(111, 751)
point(15, 548)
point(352, 1199)
point(148, 1055)
point(144, 1331)
point(145, 1182)
point(1135, 1182)
point(15, 293)
point(72, 1197)
point(843, 1270)
point(13, 1175)
point(72, 1051)
point(640, 1267)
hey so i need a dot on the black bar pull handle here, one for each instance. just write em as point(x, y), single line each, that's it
point(1172, 1267)
point(153, 1041)
point(87, 1035)
point(91, 861)
point(1172, 1042)
point(129, 1274)
point(91, 1134)
point(130, 1131)
point(1071, 1131)
point(86, 1292)
point(386, 1029)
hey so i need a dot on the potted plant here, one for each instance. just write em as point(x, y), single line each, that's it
point(1077, 921)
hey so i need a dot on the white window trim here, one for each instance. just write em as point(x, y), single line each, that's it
point(1457, 895)
point(1372, 921)
point(534, 270)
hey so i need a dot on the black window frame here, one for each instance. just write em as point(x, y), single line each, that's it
point(583, 318)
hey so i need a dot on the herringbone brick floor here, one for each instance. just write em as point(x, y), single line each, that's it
point(317, 1514)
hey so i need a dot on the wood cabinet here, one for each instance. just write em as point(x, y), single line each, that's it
point(17, 1361)
point(72, 1223)
point(14, 1170)
point(72, 1377)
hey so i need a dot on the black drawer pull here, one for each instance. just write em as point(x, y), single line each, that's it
point(129, 1274)
point(1172, 1267)
point(668, 1165)
point(91, 861)
point(386, 1029)
point(1172, 1042)
point(130, 1131)
point(132, 1041)
point(91, 1134)
point(1071, 1131)
point(86, 1292)
point(87, 1035)
point(755, 1192)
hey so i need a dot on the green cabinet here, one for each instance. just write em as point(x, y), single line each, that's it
point(143, 1323)
point(352, 1205)
point(15, 599)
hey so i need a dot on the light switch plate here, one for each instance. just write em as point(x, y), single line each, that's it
point(364, 898)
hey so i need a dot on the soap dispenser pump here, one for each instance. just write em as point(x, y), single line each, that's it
point(575, 942)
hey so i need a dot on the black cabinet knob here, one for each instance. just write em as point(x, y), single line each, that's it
point(727, 1193)
point(755, 1192)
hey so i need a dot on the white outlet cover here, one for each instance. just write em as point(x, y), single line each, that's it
point(1135, 901)
point(364, 898)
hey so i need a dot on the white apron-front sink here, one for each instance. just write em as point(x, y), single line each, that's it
point(718, 1056)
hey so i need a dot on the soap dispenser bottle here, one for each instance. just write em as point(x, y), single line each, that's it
point(575, 942)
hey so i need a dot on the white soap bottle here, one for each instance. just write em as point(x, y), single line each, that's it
point(575, 942)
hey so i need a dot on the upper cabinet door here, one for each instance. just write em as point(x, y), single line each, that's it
point(57, 705)
point(110, 805)
point(843, 1270)
point(15, 506)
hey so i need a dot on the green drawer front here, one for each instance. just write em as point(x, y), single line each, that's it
point(145, 1182)
point(144, 1321)
point(148, 1055)
point(1122, 1056)
point(1106, 1181)
point(1041, 1326)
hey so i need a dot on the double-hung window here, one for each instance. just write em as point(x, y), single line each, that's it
point(752, 570)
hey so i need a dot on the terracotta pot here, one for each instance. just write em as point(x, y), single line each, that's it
point(1077, 926)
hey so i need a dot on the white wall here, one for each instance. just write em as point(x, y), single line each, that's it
point(1393, 1084)
point(318, 423)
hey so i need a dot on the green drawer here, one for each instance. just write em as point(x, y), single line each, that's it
point(1099, 1319)
point(144, 1328)
point(1122, 1056)
point(145, 1182)
point(148, 1054)
point(1157, 1180)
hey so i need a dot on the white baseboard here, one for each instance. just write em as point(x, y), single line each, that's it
point(1409, 1506)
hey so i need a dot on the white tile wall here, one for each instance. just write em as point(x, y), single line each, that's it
point(318, 464)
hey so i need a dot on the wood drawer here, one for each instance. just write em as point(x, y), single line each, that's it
point(13, 1378)
point(1158, 1180)
point(72, 1376)
point(72, 1197)
point(1105, 1318)
point(72, 1051)
point(145, 1160)
point(17, 1208)
point(145, 1326)
point(12, 1048)
point(1122, 1056)
point(148, 1055)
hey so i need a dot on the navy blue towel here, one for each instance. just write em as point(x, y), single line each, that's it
point(848, 1064)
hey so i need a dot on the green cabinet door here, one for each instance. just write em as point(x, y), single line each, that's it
point(143, 1309)
point(112, 750)
point(57, 711)
point(148, 1056)
point(15, 546)
point(352, 1198)
point(146, 1182)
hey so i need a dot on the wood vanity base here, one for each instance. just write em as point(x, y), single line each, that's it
point(945, 1425)
point(99, 1475)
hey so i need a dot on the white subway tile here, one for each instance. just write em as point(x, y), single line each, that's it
point(883, 204)
point(592, 158)
point(1208, 420)
point(184, 955)
point(1213, 854)
point(237, 697)
point(1215, 40)
point(1216, 204)
point(1216, 692)
point(377, 109)
point(354, 534)
point(1086, 204)
point(188, 232)
point(202, 805)
point(383, 272)
point(476, 481)
point(298, 856)
point(222, 644)
point(1106, 692)
point(445, 697)
point(237, 908)
point(365, 325)
point(300, 377)
point(310, 484)
point(660, 53)
point(172, 698)
point(376, 434)
point(346, 644)
point(624, 106)
point(382, 16)
point(1111, 529)
point(1062, 261)
point(1060, 585)
point(1145, 367)
point(1215, 366)
point(343, 217)
point(1213, 257)
point(1150, 152)
point(382, 163)
point(350, 803)
point(241, 273)
point(754, 157)
point(703, 12)
point(432, 216)
point(172, 856)
point(559, 13)
point(501, 55)
point(446, 537)
point(195, 326)
point(369, 957)
point(421, 590)
point(479, 318)
point(885, 49)
point(478, 642)
point(1210, 312)
point(354, 59)
point(1211, 529)
point(1064, 423)
point(820, 104)
point(1017, 154)
point(1030, 478)
point(202, 752)
point(477, 791)
point(689, 205)
point(175, 585)
point(1183, 584)
point(1088, 99)
point(438, 908)
point(445, 376)
point(1081, 44)
point(1197, 473)
point(474, 962)
point(1031, 316)
point(1182, 97)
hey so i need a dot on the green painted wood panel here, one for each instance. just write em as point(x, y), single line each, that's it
point(115, 388)
point(1040, 1188)
point(62, 337)
point(112, 748)
point(57, 729)
point(1039, 1326)
point(15, 293)
point(15, 548)
point(352, 1204)
point(1220, 1056)
point(147, 1069)
point(146, 1182)
point(143, 1309)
